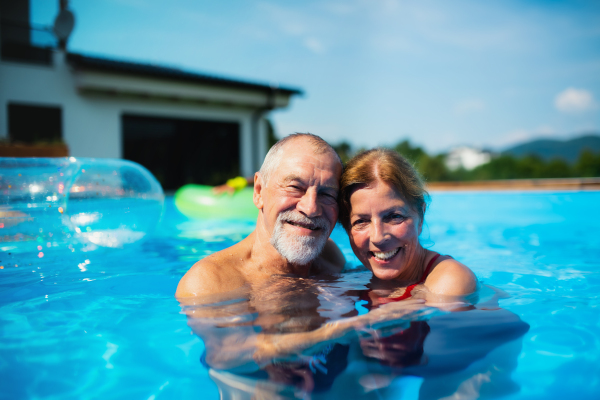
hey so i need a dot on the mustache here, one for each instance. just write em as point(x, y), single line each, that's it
point(291, 216)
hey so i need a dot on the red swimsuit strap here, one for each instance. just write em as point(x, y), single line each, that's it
point(408, 291)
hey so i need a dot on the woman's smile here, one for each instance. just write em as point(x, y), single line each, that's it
point(385, 256)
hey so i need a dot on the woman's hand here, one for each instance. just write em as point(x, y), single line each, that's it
point(392, 314)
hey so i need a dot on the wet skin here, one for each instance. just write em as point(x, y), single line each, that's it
point(385, 231)
point(304, 183)
point(384, 235)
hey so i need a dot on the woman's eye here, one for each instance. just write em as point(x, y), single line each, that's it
point(359, 223)
point(396, 217)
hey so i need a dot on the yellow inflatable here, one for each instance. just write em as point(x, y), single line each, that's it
point(199, 201)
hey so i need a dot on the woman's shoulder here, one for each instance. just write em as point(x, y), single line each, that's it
point(451, 277)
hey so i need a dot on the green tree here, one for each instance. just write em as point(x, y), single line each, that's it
point(412, 153)
point(503, 167)
point(557, 168)
point(344, 150)
point(530, 166)
point(588, 164)
point(433, 169)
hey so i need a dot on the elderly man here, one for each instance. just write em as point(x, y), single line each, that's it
point(296, 193)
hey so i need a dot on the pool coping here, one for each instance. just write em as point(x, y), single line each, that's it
point(548, 184)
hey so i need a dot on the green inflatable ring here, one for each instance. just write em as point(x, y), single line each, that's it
point(199, 201)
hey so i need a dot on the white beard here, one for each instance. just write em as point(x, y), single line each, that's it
point(298, 249)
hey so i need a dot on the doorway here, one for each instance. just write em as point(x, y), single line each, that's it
point(182, 151)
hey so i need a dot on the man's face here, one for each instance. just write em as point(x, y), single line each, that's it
point(299, 203)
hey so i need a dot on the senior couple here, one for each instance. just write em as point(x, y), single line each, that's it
point(271, 309)
point(301, 192)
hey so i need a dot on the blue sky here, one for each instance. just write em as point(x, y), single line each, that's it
point(441, 73)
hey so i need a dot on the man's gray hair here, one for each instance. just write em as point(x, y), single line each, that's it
point(273, 157)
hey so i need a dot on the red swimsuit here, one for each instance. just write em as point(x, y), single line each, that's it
point(409, 289)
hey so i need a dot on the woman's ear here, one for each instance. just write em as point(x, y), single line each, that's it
point(258, 191)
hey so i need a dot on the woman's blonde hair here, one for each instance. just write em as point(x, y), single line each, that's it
point(385, 165)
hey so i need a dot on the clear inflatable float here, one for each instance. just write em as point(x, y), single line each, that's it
point(77, 201)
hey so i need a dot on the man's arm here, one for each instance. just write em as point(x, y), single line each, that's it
point(232, 343)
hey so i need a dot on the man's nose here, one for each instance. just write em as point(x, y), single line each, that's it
point(308, 204)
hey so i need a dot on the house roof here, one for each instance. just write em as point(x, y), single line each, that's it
point(156, 71)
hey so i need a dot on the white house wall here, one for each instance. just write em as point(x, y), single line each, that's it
point(92, 122)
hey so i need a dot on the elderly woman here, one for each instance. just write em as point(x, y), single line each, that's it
point(382, 207)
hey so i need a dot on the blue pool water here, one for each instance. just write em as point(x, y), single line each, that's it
point(104, 323)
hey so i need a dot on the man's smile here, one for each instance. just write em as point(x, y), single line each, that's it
point(303, 223)
point(312, 227)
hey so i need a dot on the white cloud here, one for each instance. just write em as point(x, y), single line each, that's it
point(469, 106)
point(573, 100)
point(314, 45)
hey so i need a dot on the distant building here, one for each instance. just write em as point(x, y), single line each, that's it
point(467, 158)
point(183, 126)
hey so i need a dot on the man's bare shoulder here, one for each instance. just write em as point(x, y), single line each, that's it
point(201, 279)
point(216, 273)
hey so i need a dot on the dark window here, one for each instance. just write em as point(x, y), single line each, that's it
point(19, 41)
point(26, 53)
point(181, 151)
point(30, 124)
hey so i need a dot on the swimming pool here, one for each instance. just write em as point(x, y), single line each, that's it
point(105, 324)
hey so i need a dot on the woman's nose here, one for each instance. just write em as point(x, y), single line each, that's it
point(378, 235)
point(308, 204)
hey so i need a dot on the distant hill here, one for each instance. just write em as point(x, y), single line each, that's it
point(547, 149)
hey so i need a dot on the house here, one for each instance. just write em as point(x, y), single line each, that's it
point(183, 126)
point(467, 158)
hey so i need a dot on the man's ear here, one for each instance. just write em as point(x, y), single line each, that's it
point(258, 191)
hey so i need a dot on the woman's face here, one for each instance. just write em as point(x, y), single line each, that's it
point(384, 230)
